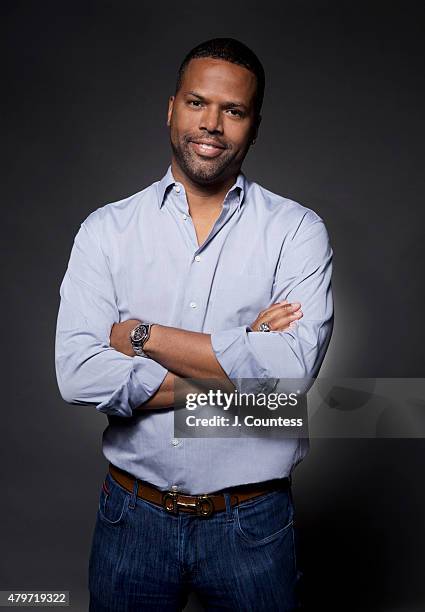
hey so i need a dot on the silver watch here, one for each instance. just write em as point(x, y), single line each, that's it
point(139, 335)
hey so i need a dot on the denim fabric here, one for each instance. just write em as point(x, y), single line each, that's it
point(143, 558)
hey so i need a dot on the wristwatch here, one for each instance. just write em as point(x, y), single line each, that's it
point(139, 335)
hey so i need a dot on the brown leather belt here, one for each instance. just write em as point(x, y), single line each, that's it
point(203, 505)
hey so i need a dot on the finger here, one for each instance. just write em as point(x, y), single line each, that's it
point(290, 306)
point(278, 322)
point(284, 311)
point(290, 316)
point(285, 305)
point(271, 308)
point(278, 316)
point(286, 323)
point(281, 309)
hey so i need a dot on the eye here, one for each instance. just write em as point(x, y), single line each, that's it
point(234, 112)
point(195, 103)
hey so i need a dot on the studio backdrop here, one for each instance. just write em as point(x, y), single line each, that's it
point(85, 96)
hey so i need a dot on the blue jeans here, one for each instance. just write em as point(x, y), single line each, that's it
point(143, 558)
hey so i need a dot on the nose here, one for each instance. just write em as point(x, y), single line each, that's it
point(211, 120)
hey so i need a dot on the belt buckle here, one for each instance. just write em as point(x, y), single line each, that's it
point(202, 506)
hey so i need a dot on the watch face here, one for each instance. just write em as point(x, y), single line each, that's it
point(138, 334)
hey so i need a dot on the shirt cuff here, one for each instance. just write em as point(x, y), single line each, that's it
point(238, 358)
point(144, 379)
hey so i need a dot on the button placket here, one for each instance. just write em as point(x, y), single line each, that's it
point(200, 267)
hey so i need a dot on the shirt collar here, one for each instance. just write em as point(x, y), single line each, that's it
point(168, 180)
point(240, 185)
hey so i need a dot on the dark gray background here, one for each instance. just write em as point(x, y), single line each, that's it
point(85, 89)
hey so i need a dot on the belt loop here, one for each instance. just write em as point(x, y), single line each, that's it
point(133, 499)
point(228, 506)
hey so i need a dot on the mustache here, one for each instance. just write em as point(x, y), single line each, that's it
point(197, 138)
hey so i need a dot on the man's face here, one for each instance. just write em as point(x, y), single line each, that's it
point(212, 119)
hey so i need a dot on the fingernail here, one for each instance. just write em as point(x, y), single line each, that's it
point(296, 304)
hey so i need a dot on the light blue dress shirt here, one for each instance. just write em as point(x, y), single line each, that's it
point(139, 259)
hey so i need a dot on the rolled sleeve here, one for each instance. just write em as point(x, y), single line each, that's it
point(144, 379)
point(303, 275)
point(88, 369)
point(236, 355)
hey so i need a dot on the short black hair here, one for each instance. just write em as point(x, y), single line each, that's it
point(230, 50)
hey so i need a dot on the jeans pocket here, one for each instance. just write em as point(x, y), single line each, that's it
point(113, 502)
point(266, 518)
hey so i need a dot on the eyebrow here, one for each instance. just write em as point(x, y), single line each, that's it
point(229, 104)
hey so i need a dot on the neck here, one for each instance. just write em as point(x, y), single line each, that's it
point(203, 197)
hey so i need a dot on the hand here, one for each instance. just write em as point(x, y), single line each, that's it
point(280, 316)
point(120, 336)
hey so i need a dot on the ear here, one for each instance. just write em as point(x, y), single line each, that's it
point(255, 129)
point(170, 109)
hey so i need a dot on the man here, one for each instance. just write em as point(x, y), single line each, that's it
point(184, 280)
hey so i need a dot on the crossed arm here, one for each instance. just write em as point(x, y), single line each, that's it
point(189, 354)
point(95, 364)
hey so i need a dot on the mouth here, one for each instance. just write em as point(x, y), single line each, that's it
point(206, 148)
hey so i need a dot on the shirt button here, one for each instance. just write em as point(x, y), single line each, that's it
point(197, 258)
point(175, 441)
point(184, 217)
point(177, 188)
point(192, 304)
